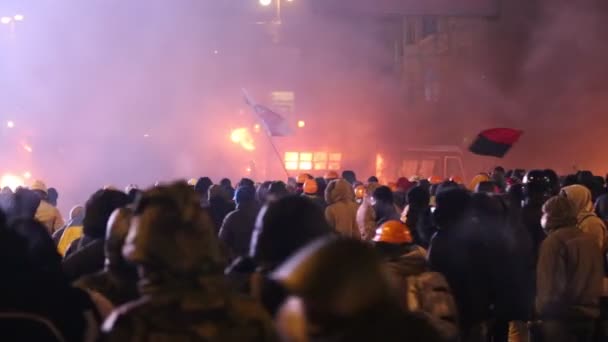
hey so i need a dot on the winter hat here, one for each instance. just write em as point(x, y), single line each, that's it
point(244, 194)
point(559, 212)
point(39, 185)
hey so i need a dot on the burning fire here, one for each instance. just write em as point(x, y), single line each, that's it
point(11, 181)
point(243, 137)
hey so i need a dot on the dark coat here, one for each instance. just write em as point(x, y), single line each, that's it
point(461, 256)
point(118, 286)
point(237, 228)
point(87, 259)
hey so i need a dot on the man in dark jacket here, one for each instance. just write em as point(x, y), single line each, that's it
point(536, 189)
point(238, 226)
point(184, 294)
point(569, 277)
point(118, 280)
point(458, 252)
point(86, 255)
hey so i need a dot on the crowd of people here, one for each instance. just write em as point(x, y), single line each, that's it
point(511, 256)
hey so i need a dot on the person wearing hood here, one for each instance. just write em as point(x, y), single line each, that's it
point(569, 275)
point(86, 255)
point(46, 212)
point(339, 292)
point(118, 280)
point(272, 244)
point(226, 184)
point(341, 212)
point(220, 205)
point(184, 293)
point(580, 198)
point(72, 231)
point(238, 225)
point(537, 187)
point(383, 202)
point(366, 218)
point(310, 190)
point(276, 191)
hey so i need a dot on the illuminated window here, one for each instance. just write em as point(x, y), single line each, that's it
point(335, 160)
point(306, 161)
point(320, 159)
point(291, 160)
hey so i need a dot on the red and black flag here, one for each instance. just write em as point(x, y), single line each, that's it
point(495, 142)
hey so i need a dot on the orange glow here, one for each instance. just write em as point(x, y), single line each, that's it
point(27, 175)
point(291, 166)
point(11, 181)
point(256, 128)
point(243, 137)
point(301, 124)
point(305, 165)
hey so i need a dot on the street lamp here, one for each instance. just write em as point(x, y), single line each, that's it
point(19, 17)
point(265, 3)
point(6, 20)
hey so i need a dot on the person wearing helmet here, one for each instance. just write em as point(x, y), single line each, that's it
point(569, 277)
point(340, 292)
point(46, 212)
point(341, 212)
point(300, 180)
point(118, 280)
point(359, 193)
point(408, 270)
point(435, 180)
point(330, 176)
point(537, 190)
point(311, 191)
point(366, 218)
point(482, 177)
point(400, 193)
point(180, 266)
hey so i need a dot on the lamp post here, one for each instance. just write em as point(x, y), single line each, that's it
point(278, 8)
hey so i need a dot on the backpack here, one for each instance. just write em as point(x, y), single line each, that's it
point(429, 294)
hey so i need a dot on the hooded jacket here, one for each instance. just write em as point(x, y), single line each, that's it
point(569, 271)
point(49, 216)
point(587, 221)
point(366, 218)
point(341, 213)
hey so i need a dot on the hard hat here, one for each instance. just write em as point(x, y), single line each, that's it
point(331, 175)
point(435, 180)
point(39, 185)
point(311, 187)
point(393, 231)
point(302, 178)
point(360, 192)
point(482, 177)
point(457, 179)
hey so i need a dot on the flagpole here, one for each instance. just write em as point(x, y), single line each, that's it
point(278, 154)
point(251, 103)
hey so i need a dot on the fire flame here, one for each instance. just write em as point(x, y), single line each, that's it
point(243, 137)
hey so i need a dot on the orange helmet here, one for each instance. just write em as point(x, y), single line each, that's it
point(393, 231)
point(360, 191)
point(393, 186)
point(311, 187)
point(482, 177)
point(457, 179)
point(302, 178)
point(435, 180)
point(331, 175)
